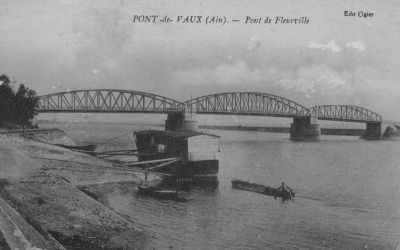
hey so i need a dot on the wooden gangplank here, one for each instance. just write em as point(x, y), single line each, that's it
point(163, 164)
point(106, 154)
point(139, 163)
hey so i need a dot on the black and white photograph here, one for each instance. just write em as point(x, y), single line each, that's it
point(199, 124)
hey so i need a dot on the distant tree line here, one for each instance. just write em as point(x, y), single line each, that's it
point(17, 107)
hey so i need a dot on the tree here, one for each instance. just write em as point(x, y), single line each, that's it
point(6, 99)
point(26, 104)
point(19, 107)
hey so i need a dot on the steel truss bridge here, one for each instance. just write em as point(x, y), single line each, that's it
point(246, 103)
point(347, 113)
point(231, 103)
point(106, 100)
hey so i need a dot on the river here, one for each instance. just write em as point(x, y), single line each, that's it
point(347, 194)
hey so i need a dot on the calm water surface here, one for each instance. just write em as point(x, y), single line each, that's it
point(348, 195)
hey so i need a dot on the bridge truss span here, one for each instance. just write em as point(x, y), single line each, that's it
point(106, 100)
point(246, 103)
point(348, 113)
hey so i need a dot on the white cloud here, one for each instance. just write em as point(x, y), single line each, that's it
point(95, 71)
point(311, 81)
point(333, 81)
point(315, 80)
point(228, 74)
point(357, 45)
point(298, 85)
point(331, 45)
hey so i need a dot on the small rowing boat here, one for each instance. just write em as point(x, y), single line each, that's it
point(90, 147)
point(258, 188)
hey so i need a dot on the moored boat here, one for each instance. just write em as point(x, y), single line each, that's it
point(90, 147)
point(258, 188)
point(198, 151)
point(157, 192)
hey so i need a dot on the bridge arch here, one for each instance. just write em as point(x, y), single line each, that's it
point(106, 100)
point(349, 113)
point(246, 103)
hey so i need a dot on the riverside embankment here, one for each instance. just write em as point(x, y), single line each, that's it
point(39, 197)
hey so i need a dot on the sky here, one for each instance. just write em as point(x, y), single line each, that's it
point(54, 46)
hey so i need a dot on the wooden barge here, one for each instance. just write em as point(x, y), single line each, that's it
point(257, 188)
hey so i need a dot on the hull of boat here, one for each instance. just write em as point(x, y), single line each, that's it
point(90, 147)
point(257, 188)
point(206, 168)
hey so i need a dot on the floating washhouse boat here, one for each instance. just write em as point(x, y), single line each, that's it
point(198, 152)
point(258, 188)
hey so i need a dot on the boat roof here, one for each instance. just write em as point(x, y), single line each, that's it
point(175, 134)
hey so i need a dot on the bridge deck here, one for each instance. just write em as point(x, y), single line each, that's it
point(230, 103)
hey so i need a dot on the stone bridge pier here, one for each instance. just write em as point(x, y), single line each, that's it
point(305, 129)
point(373, 131)
point(181, 120)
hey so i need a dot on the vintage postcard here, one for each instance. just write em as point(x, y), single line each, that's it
point(132, 124)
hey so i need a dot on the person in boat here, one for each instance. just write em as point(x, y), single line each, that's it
point(286, 191)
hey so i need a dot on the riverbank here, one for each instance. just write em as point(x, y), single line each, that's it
point(38, 182)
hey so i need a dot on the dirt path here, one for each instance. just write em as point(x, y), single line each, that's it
point(19, 234)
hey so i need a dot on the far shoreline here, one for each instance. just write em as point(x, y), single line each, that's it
point(270, 129)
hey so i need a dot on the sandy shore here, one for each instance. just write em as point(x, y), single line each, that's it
point(39, 180)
